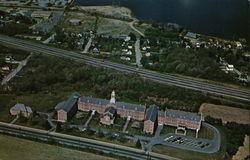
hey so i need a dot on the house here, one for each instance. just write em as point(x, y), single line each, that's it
point(6, 68)
point(129, 53)
point(21, 109)
point(96, 51)
point(150, 119)
point(65, 110)
point(127, 39)
point(125, 58)
point(238, 44)
point(39, 38)
point(230, 67)
point(8, 58)
point(108, 116)
point(130, 47)
point(148, 54)
point(75, 22)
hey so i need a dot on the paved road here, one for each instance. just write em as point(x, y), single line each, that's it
point(15, 71)
point(16, 118)
point(138, 53)
point(214, 144)
point(78, 142)
point(241, 94)
point(126, 124)
point(90, 117)
point(131, 24)
point(158, 130)
point(49, 119)
point(86, 49)
point(49, 39)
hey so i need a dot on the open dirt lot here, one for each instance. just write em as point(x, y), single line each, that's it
point(226, 113)
point(105, 26)
point(87, 22)
point(113, 27)
point(108, 10)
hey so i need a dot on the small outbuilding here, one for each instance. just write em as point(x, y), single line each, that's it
point(75, 22)
point(21, 109)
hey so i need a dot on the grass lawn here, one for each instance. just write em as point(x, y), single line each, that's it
point(167, 129)
point(189, 155)
point(22, 149)
point(203, 133)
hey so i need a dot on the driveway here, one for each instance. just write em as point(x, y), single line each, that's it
point(21, 64)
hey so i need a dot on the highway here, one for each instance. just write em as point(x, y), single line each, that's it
point(79, 143)
point(155, 76)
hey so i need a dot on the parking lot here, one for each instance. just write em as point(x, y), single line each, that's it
point(187, 141)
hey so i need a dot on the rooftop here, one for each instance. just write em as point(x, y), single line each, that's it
point(66, 106)
point(152, 113)
point(130, 106)
point(180, 114)
point(94, 100)
point(110, 110)
point(74, 20)
point(104, 102)
point(22, 108)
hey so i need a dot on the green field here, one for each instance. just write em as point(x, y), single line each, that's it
point(12, 148)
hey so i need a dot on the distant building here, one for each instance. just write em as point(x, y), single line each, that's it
point(75, 21)
point(65, 110)
point(191, 35)
point(21, 109)
point(150, 119)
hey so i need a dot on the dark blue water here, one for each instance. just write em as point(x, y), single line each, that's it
point(228, 19)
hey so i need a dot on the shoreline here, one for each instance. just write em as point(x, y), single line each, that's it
point(226, 36)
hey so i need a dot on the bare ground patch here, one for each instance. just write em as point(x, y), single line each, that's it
point(225, 113)
point(108, 10)
point(113, 27)
point(87, 22)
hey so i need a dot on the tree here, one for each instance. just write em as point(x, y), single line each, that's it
point(100, 133)
point(122, 138)
point(59, 127)
point(45, 124)
point(132, 36)
point(138, 144)
point(110, 136)
point(213, 121)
